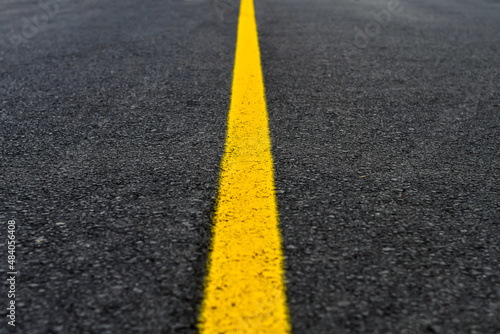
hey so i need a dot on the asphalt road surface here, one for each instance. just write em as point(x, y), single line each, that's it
point(385, 129)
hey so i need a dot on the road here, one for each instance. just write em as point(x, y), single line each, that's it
point(384, 119)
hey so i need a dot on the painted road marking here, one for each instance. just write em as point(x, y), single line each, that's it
point(245, 289)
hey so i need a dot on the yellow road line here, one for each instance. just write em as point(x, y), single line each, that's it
point(245, 289)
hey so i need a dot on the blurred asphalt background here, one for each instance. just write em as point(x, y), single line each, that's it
point(386, 149)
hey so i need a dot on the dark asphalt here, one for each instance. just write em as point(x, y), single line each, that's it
point(386, 149)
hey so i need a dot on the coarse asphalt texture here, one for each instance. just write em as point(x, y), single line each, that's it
point(386, 146)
